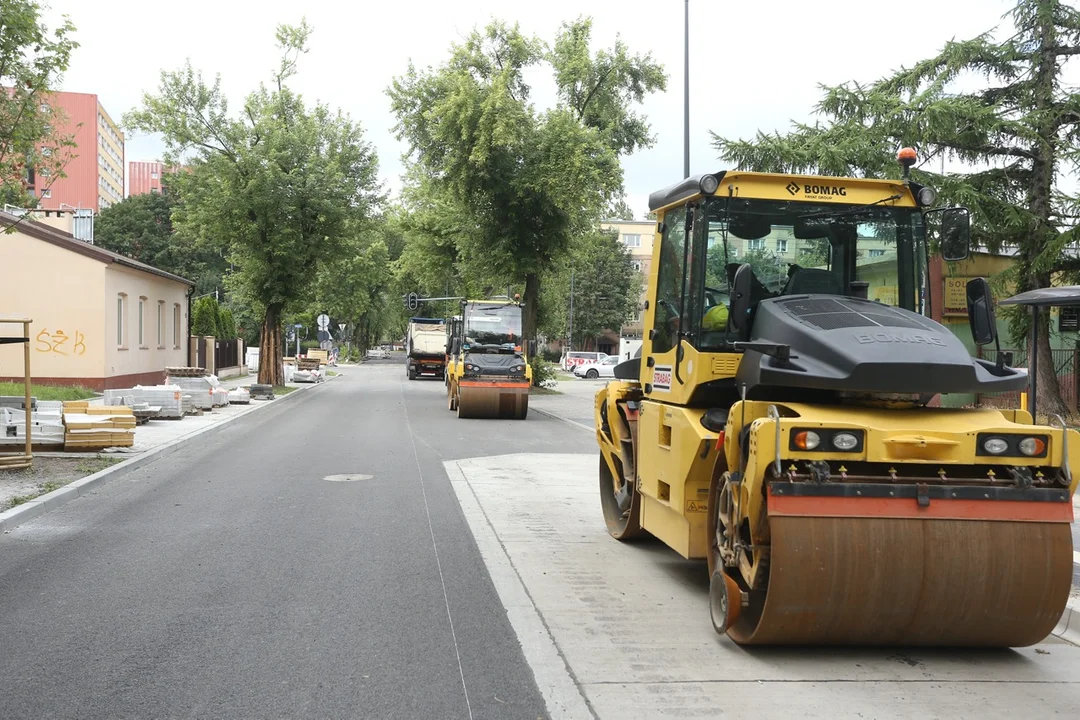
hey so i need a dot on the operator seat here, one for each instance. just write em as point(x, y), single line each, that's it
point(813, 281)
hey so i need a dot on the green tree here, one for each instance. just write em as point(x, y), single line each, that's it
point(204, 317)
point(279, 183)
point(32, 61)
point(141, 228)
point(525, 181)
point(227, 324)
point(606, 289)
point(1014, 133)
point(351, 288)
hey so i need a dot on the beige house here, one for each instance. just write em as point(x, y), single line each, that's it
point(637, 237)
point(101, 320)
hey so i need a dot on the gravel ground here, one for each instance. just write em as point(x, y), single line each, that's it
point(47, 474)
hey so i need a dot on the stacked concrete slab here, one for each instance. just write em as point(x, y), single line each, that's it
point(46, 424)
point(91, 427)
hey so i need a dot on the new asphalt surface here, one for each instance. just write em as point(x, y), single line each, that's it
point(233, 580)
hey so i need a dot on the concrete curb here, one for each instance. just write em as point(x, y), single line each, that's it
point(556, 416)
point(1068, 627)
point(10, 519)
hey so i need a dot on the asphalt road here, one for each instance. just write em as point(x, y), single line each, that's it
point(232, 580)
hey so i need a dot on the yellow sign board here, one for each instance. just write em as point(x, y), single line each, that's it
point(955, 301)
point(885, 294)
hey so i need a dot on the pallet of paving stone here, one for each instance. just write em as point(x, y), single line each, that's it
point(192, 372)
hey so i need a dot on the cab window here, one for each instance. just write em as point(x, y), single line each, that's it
point(669, 283)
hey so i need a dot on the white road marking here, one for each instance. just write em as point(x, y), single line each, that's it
point(435, 547)
point(622, 630)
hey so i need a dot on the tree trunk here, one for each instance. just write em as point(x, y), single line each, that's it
point(1048, 390)
point(1040, 199)
point(532, 304)
point(271, 370)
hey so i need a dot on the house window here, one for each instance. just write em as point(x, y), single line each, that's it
point(121, 313)
point(636, 264)
point(153, 176)
point(755, 244)
point(46, 193)
point(176, 325)
point(631, 240)
point(781, 246)
point(877, 253)
point(161, 324)
point(142, 323)
point(46, 151)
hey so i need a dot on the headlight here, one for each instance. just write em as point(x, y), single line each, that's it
point(708, 184)
point(807, 440)
point(826, 440)
point(845, 441)
point(927, 196)
point(1032, 446)
point(1003, 445)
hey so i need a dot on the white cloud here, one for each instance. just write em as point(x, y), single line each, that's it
point(754, 66)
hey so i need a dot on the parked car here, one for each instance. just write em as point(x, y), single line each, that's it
point(603, 368)
point(575, 358)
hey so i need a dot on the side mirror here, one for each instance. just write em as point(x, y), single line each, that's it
point(740, 297)
point(953, 232)
point(980, 307)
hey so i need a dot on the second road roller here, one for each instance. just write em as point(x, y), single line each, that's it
point(781, 423)
point(489, 375)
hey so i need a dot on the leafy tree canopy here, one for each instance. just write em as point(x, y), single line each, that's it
point(1014, 133)
point(33, 136)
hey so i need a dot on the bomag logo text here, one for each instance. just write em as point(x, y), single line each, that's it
point(913, 339)
point(825, 190)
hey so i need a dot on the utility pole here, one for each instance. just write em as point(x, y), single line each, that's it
point(686, 98)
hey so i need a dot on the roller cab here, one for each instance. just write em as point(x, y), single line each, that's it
point(777, 424)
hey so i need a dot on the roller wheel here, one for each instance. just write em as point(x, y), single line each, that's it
point(592, 374)
point(412, 373)
point(523, 409)
point(621, 505)
point(725, 601)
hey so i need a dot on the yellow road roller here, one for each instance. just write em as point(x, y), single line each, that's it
point(489, 374)
point(792, 439)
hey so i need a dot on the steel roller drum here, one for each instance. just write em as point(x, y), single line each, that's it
point(910, 581)
point(493, 400)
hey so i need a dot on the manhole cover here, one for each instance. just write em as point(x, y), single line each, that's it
point(352, 477)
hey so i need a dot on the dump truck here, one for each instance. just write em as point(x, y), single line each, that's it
point(785, 431)
point(489, 373)
point(425, 347)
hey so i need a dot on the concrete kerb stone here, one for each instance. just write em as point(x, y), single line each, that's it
point(556, 416)
point(1068, 628)
point(10, 519)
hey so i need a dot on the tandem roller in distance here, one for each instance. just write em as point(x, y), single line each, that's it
point(493, 399)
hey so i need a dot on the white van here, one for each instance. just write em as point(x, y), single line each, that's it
point(572, 359)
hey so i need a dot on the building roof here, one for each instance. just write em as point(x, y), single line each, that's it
point(68, 241)
point(1066, 296)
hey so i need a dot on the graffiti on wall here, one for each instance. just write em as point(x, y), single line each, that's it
point(60, 343)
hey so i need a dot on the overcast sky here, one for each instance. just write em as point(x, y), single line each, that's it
point(753, 65)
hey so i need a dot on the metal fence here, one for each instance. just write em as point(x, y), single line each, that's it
point(1066, 366)
point(226, 354)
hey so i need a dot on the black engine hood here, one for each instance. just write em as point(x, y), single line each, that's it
point(849, 344)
